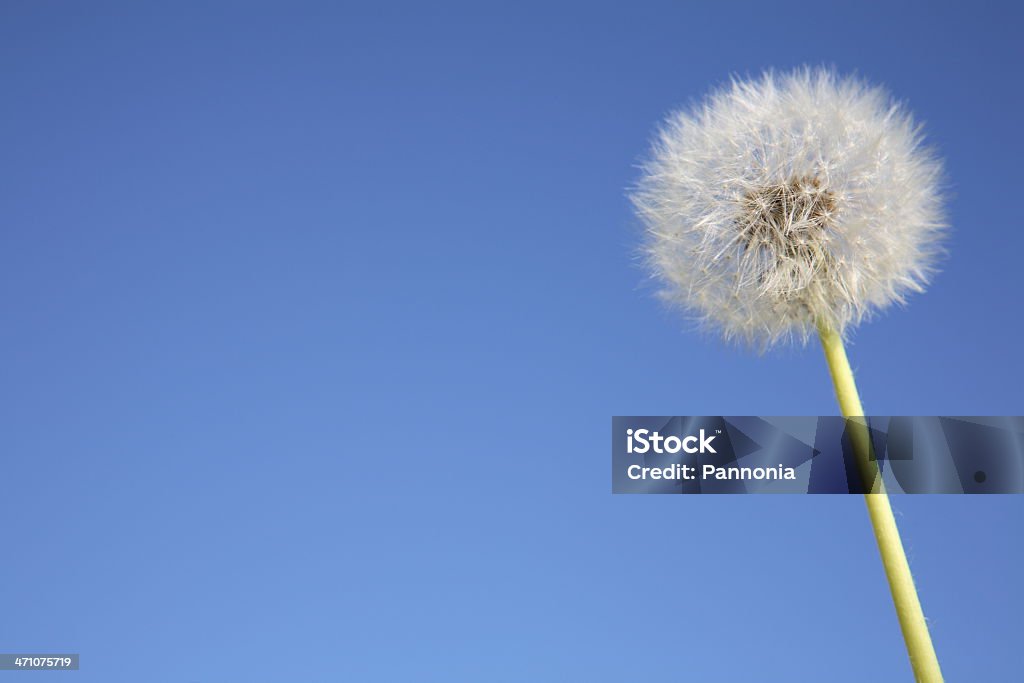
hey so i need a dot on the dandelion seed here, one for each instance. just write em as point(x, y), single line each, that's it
point(790, 201)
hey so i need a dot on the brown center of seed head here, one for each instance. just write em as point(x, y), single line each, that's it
point(788, 219)
point(784, 233)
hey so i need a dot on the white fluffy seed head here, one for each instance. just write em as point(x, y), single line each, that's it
point(790, 201)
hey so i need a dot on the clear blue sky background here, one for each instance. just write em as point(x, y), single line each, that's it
point(313, 316)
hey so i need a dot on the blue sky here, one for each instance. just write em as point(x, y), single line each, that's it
point(314, 316)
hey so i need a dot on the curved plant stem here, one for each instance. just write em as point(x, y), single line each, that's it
point(904, 595)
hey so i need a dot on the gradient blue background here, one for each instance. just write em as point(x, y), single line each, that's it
point(314, 316)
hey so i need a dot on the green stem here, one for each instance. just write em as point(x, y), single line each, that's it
point(901, 583)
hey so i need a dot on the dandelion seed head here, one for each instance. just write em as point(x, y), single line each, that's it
point(789, 201)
